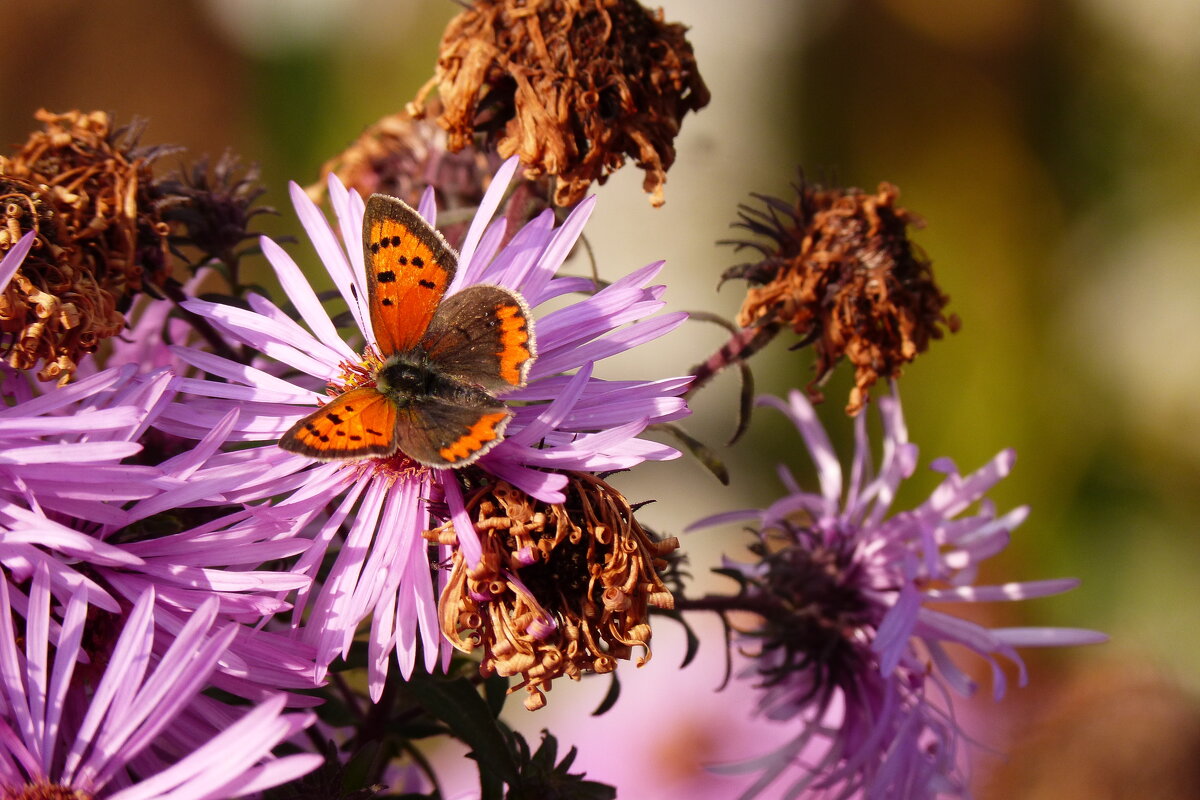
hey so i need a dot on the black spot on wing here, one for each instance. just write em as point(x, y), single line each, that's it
point(387, 276)
point(427, 284)
point(417, 261)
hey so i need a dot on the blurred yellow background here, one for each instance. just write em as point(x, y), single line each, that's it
point(1053, 149)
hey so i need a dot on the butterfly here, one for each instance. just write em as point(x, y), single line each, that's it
point(444, 358)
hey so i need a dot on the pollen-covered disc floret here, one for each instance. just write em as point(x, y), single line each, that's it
point(562, 589)
point(354, 374)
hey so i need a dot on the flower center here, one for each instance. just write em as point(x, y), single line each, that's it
point(817, 611)
point(43, 791)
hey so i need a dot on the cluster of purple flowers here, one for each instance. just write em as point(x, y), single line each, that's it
point(173, 583)
point(141, 526)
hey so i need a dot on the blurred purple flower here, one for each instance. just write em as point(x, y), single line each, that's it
point(565, 418)
point(848, 645)
point(67, 730)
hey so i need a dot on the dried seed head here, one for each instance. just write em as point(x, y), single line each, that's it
point(401, 156)
point(838, 267)
point(573, 87)
point(211, 207)
point(86, 190)
point(562, 589)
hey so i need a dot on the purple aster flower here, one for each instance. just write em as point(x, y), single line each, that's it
point(67, 730)
point(63, 451)
point(564, 418)
point(150, 332)
point(849, 646)
point(71, 503)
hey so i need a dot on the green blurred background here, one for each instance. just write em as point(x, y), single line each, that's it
point(1052, 149)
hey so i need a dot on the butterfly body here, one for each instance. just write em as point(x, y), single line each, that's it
point(409, 380)
point(444, 358)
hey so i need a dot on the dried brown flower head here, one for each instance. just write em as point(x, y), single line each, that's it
point(562, 589)
point(85, 189)
point(838, 268)
point(573, 87)
point(401, 156)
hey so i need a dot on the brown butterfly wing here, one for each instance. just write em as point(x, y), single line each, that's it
point(409, 265)
point(483, 336)
point(358, 424)
point(444, 434)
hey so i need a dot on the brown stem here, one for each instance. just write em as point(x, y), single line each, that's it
point(348, 696)
point(723, 604)
point(741, 345)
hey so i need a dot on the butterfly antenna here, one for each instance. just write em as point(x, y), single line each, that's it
point(591, 255)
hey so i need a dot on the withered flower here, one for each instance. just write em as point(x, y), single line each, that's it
point(839, 268)
point(561, 589)
point(85, 188)
point(402, 155)
point(572, 87)
point(211, 207)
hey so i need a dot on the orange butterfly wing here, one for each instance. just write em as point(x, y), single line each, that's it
point(442, 434)
point(484, 336)
point(409, 266)
point(358, 424)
